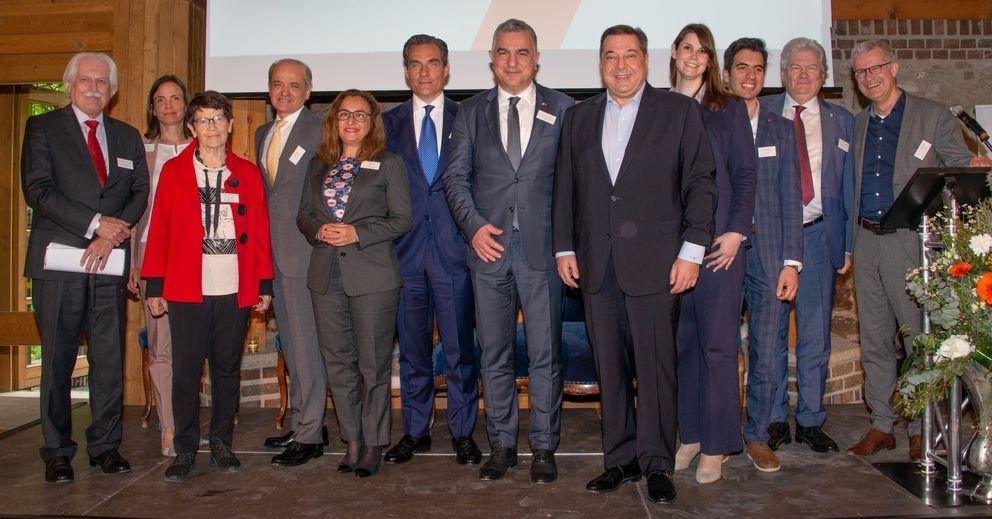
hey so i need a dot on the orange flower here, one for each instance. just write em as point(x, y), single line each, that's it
point(960, 268)
point(984, 288)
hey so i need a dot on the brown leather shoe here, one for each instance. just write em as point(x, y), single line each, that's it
point(915, 448)
point(872, 442)
point(764, 459)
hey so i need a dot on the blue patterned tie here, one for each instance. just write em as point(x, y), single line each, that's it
point(427, 147)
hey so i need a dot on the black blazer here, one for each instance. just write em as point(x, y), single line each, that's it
point(664, 193)
point(379, 208)
point(61, 186)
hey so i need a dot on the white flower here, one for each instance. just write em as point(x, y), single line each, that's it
point(955, 346)
point(980, 244)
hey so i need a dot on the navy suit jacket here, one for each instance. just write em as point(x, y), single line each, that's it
point(729, 133)
point(778, 213)
point(836, 173)
point(433, 225)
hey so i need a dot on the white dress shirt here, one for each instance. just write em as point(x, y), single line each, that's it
point(525, 108)
point(437, 115)
point(814, 147)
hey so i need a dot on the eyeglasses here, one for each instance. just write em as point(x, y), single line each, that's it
point(873, 70)
point(358, 115)
point(205, 121)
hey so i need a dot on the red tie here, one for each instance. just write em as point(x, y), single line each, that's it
point(805, 171)
point(96, 153)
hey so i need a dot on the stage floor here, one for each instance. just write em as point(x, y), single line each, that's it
point(433, 485)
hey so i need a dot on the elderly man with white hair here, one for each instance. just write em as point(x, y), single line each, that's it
point(84, 176)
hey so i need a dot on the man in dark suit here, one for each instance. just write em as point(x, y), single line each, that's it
point(283, 149)
point(498, 181)
point(775, 250)
point(84, 175)
point(893, 137)
point(436, 282)
point(633, 210)
point(823, 139)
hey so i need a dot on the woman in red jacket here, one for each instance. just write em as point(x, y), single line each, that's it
point(207, 263)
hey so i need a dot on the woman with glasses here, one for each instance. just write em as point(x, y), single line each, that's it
point(167, 136)
point(208, 263)
point(709, 321)
point(355, 202)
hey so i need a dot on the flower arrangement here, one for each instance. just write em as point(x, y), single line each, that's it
point(957, 296)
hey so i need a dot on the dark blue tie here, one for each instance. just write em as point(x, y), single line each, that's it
point(427, 147)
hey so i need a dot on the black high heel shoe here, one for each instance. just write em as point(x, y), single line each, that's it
point(351, 457)
point(369, 464)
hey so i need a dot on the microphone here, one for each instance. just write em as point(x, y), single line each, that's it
point(971, 123)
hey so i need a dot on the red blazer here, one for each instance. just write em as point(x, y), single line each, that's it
point(173, 263)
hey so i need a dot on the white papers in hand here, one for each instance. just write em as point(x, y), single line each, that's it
point(64, 258)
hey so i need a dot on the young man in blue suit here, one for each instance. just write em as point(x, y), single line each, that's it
point(498, 181)
point(823, 139)
point(436, 282)
point(775, 251)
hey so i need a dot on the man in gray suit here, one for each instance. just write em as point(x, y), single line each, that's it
point(894, 136)
point(498, 182)
point(283, 148)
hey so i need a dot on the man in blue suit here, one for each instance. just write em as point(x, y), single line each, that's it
point(775, 251)
point(436, 282)
point(823, 136)
point(498, 180)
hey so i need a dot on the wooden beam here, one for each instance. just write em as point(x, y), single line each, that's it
point(911, 9)
point(32, 68)
point(18, 329)
point(70, 42)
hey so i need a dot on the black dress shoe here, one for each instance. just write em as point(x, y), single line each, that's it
point(182, 468)
point(58, 470)
point(661, 488)
point(404, 450)
point(778, 435)
point(542, 466)
point(466, 451)
point(281, 442)
point(110, 462)
point(298, 453)
point(500, 459)
point(815, 438)
point(614, 477)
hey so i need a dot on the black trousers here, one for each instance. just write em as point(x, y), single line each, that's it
point(213, 330)
point(634, 336)
point(62, 310)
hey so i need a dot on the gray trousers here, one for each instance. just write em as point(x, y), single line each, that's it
point(885, 309)
point(307, 375)
point(498, 295)
point(356, 337)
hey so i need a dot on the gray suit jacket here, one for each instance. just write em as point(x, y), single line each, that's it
point(922, 120)
point(378, 207)
point(481, 186)
point(290, 250)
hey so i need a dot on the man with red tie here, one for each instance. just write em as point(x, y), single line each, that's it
point(84, 176)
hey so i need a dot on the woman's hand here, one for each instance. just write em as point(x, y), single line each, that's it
point(157, 306)
point(132, 281)
point(263, 303)
point(338, 234)
point(726, 245)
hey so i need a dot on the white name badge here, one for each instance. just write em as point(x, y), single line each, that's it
point(546, 117)
point(297, 155)
point(922, 150)
point(842, 144)
point(230, 198)
point(767, 151)
point(124, 163)
point(369, 164)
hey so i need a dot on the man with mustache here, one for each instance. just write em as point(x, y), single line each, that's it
point(896, 134)
point(84, 175)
